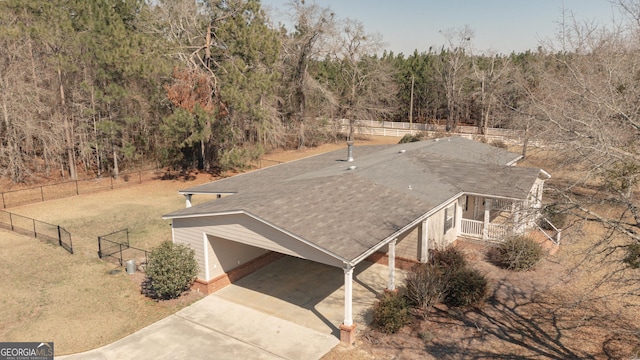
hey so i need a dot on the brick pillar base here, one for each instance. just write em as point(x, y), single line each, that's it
point(348, 334)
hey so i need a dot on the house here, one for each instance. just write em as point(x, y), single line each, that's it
point(391, 204)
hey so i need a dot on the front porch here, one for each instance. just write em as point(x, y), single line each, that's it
point(501, 218)
point(493, 219)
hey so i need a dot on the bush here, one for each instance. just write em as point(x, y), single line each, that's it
point(466, 287)
point(633, 256)
point(409, 138)
point(171, 269)
point(518, 253)
point(391, 312)
point(500, 144)
point(425, 285)
point(449, 259)
point(555, 216)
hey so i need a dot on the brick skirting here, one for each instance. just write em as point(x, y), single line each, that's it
point(383, 259)
point(217, 283)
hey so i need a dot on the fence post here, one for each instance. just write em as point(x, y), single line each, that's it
point(99, 248)
point(59, 237)
point(35, 233)
point(4, 205)
point(127, 231)
point(120, 254)
point(11, 221)
point(41, 193)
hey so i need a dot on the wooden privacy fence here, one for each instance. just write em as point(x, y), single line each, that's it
point(36, 228)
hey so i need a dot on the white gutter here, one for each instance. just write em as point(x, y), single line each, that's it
point(512, 162)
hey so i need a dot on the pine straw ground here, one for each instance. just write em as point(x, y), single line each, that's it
point(550, 312)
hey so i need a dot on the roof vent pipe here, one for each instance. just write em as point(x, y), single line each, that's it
point(349, 151)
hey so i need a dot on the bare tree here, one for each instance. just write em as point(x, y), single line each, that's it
point(365, 86)
point(314, 28)
point(489, 71)
point(454, 61)
point(586, 101)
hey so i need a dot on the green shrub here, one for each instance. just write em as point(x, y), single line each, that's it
point(449, 259)
point(409, 138)
point(518, 253)
point(171, 269)
point(633, 256)
point(425, 285)
point(555, 216)
point(466, 287)
point(391, 312)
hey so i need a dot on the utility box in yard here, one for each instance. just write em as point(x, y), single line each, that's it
point(131, 267)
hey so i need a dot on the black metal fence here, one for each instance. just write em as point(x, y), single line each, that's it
point(76, 187)
point(115, 247)
point(36, 228)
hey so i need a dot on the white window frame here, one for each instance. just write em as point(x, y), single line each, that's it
point(449, 217)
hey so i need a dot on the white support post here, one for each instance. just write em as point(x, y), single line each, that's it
point(205, 249)
point(487, 218)
point(188, 199)
point(391, 285)
point(423, 241)
point(348, 296)
point(458, 218)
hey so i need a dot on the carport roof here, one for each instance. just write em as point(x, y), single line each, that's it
point(347, 212)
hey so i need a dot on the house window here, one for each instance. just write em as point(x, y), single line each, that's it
point(449, 217)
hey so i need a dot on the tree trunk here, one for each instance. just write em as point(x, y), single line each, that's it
point(116, 170)
point(526, 141)
point(67, 132)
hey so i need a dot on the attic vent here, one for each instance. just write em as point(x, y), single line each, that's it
point(402, 151)
point(352, 167)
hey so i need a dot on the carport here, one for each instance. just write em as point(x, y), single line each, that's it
point(235, 244)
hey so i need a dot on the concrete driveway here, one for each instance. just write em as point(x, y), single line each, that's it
point(290, 309)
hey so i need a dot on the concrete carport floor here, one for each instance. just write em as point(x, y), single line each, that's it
point(289, 309)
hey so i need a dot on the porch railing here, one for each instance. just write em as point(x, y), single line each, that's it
point(555, 238)
point(475, 229)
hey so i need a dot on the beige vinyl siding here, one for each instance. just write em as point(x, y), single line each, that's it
point(436, 230)
point(225, 255)
point(246, 230)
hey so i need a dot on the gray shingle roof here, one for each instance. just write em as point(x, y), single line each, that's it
point(347, 212)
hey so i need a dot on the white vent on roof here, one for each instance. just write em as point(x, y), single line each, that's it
point(402, 151)
point(436, 140)
point(352, 167)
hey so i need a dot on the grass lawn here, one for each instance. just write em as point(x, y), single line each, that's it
point(48, 294)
